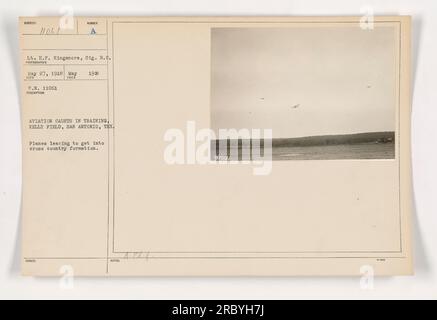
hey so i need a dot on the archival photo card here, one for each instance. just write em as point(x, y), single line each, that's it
point(136, 132)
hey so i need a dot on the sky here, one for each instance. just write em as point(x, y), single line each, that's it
point(304, 81)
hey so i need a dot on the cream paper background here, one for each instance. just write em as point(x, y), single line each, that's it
point(123, 211)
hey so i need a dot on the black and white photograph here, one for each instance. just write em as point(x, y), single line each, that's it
point(324, 92)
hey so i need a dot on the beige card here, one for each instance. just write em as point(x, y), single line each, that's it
point(236, 146)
